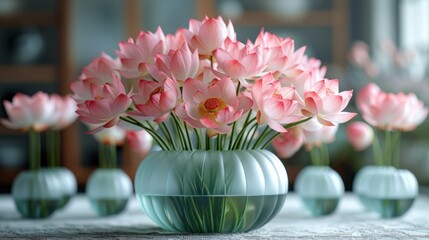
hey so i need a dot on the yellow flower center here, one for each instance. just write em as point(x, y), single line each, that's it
point(211, 107)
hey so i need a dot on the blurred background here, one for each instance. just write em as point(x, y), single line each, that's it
point(45, 43)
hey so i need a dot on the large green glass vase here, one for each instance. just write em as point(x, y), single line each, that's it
point(211, 191)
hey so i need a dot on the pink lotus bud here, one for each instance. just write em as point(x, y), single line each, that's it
point(360, 135)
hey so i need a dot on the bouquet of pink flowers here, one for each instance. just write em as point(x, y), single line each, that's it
point(201, 88)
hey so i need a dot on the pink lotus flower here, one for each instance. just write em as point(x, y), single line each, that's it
point(380, 109)
point(360, 135)
point(326, 103)
point(156, 99)
point(65, 111)
point(26, 112)
point(214, 106)
point(288, 143)
point(135, 56)
point(140, 142)
point(282, 55)
point(274, 104)
point(240, 61)
point(390, 111)
point(414, 114)
point(101, 70)
point(208, 35)
point(179, 64)
point(107, 103)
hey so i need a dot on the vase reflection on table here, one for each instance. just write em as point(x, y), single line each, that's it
point(203, 93)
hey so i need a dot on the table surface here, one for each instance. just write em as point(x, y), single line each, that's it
point(350, 221)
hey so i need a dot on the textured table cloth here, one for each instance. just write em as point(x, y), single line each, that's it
point(350, 221)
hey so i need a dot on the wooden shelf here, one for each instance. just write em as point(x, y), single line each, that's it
point(39, 19)
point(28, 74)
point(6, 131)
point(264, 18)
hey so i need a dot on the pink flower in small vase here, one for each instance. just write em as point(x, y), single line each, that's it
point(360, 135)
point(273, 103)
point(288, 143)
point(140, 142)
point(135, 56)
point(26, 112)
point(326, 103)
point(106, 105)
point(240, 61)
point(65, 111)
point(179, 64)
point(414, 113)
point(212, 106)
point(208, 35)
point(282, 54)
point(380, 109)
point(156, 99)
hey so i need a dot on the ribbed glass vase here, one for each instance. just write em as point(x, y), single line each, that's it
point(68, 183)
point(361, 182)
point(211, 191)
point(108, 191)
point(392, 192)
point(320, 189)
point(37, 193)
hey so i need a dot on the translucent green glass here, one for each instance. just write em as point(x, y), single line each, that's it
point(320, 189)
point(211, 191)
point(36, 193)
point(108, 191)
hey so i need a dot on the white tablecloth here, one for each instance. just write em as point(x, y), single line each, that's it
point(350, 221)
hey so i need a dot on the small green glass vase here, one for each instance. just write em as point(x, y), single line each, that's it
point(108, 191)
point(36, 193)
point(320, 189)
point(391, 192)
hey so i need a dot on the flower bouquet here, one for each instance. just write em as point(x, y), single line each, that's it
point(212, 104)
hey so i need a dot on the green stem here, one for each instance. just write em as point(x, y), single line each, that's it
point(388, 148)
point(252, 131)
point(376, 147)
point(325, 154)
point(314, 156)
point(112, 155)
point(397, 147)
point(35, 152)
point(158, 139)
point(188, 136)
point(261, 138)
point(166, 134)
point(50, 148)
point(101, 156)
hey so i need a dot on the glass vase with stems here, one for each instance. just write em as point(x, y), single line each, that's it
point(385, 188)
point(319, 186)
point(67, 178)
point(36, 192)
point(108, 188)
